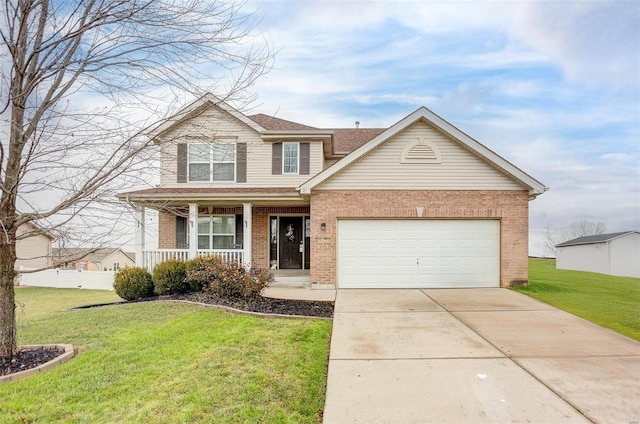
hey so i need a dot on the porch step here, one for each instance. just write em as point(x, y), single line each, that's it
point(291, 279)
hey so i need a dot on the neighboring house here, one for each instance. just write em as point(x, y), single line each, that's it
point(34, 250)
point(613, 254)
point(418, 204)
point(92, 259)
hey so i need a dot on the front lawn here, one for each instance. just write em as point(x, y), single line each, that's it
point(167, 362)
point(607, 300)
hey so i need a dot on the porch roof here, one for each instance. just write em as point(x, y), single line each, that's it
point(214, 195)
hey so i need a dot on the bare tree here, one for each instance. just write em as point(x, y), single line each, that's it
point(580, 228)
point(81, 82)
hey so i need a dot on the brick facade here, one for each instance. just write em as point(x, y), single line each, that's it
point(166, 230)
point(510, 207)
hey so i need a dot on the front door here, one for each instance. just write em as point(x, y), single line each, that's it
point(291, 242)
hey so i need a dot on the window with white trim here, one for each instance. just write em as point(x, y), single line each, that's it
point(290, 158)
point(217, 232)
point(212, 161)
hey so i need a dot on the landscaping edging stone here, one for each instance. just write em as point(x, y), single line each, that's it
point(206, 305)
point(68, 354)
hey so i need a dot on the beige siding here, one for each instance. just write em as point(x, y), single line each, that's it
point(382, 169)
point(116, 257)
point(32, 252)
point(215, 123)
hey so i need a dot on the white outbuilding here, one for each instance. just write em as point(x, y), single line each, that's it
point(613, 254)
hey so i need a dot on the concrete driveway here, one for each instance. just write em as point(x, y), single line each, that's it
point(474, 356)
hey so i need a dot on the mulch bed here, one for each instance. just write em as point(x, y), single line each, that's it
point(265, 305)
point(27, 359)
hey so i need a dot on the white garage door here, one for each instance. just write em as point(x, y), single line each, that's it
point(418, 253)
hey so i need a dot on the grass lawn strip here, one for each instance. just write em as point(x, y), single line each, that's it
point(606, 300)
point(169, 362)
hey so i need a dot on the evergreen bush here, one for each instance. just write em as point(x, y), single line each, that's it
point(169, 278)
point(133, 283)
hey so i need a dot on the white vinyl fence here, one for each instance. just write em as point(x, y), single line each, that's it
point(68, 279)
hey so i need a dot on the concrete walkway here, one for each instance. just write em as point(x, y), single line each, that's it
point(474, 356)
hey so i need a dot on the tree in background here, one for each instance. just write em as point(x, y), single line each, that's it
point(580, 228)
point(81, 83)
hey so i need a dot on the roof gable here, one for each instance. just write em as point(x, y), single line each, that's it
point(433, 120)
point(196, 107)
point(598, 238)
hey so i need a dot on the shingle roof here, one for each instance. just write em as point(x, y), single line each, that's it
point(85, 253)
point(277, 124)
point(211, 190)
point(600, 238)
point(346, 140)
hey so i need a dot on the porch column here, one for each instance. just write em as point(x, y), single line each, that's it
point(193, 230)
point(246, 233)
point(140, 235)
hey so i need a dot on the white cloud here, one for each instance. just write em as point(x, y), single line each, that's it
point(592, 41)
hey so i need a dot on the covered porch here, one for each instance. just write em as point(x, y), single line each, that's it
point(269, 229)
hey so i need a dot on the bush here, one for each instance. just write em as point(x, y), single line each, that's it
point(201, 271)
point(169, 278)
point(133, 283)
point(227, 279)
point(256, 280)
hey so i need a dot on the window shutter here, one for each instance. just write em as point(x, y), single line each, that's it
point(304, 158)
point(241, 162)
point(239, 230)
point(276, 162)
point(181, 232)
point(182, 163)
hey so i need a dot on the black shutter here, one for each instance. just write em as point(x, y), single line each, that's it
point(304, 158)
point(181, 232)
point(276, 159)
point(182, 163)
point(241, 162)
point(239, 230)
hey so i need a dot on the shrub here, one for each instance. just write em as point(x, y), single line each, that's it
point(228, 282)
point(133, 283)
point(169, 278)
point(201, 271)
point(227, 279)
point(256, 280)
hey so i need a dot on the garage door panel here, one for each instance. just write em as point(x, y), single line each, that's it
point(418, 253)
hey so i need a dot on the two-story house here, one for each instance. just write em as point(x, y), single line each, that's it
point(418, 204)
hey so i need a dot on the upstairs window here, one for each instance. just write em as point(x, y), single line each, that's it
point(212, 161)
point(290, 158)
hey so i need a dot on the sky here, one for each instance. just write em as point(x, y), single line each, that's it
point(553, 87)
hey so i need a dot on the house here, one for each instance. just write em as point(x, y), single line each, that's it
point(613, 254)
point(92, 259)
point(33, 247)
point(418, 204)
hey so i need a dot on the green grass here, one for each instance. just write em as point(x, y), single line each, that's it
point(610, 301)
point(167, 363)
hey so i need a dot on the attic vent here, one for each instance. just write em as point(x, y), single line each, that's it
point(421, 151)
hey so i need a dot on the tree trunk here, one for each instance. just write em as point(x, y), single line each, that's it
point(8, 341)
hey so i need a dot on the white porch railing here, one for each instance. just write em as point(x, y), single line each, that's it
point(151, 258)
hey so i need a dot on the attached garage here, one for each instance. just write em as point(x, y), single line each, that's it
point(410, 253)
